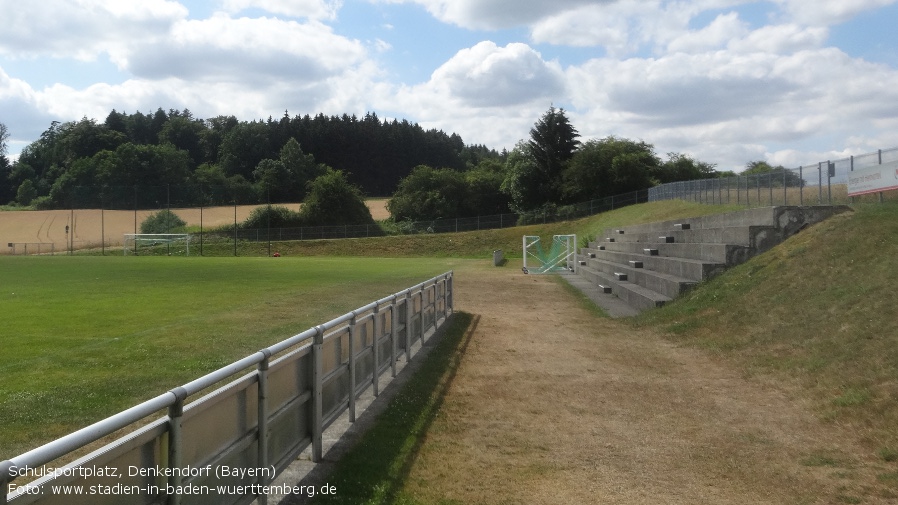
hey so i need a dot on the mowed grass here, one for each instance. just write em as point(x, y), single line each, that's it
point(481, 244)
point(85, 337)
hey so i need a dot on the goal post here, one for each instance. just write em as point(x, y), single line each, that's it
point(561, 257)
point(157, 244)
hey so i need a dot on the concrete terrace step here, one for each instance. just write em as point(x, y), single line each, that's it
point(749, 236)
point(725, 254)
point(787, 218)
point(633, 294)
point(691, 269)
point(647, 265)
point(666, 284)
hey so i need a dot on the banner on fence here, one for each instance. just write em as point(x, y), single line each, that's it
point(874, 179)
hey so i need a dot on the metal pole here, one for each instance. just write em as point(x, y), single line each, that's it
point(820, 183)
point(409, 315)
point(784, 187)
point(394, 332)
point(351, 364)
point(851, 169)
point(801, 186)
point(830, 169)
point(102, 228)
point(262, 432)
point(175, 455)
point(317, 377)
point(378, 331)
point(235, 226)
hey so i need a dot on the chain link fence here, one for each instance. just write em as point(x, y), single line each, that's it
point(823, 183)
point(98, 219)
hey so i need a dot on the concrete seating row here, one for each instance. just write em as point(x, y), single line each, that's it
point(648, 265)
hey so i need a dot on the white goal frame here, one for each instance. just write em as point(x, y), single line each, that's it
point(561, 257)
point(135, 241)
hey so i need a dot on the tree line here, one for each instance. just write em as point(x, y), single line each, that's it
point(428, 174)
point(259, 160)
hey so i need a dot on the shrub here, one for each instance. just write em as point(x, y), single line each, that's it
point(164, 221)
point(276, 216)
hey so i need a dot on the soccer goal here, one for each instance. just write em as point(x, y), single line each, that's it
point(157, 244)
point(561, 257)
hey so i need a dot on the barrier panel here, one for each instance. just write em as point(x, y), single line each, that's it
point(228, 445)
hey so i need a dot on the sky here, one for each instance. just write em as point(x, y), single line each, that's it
point(791, 82)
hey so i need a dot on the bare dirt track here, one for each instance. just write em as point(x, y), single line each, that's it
point(553, 404)
point(90, 227)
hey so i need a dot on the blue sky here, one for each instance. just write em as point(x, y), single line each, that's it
point(726, 81)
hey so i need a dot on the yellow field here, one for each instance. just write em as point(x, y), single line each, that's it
point(92, 227)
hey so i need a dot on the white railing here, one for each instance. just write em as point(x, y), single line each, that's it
point(241, 435)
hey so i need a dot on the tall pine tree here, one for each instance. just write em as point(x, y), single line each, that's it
point(553, 141)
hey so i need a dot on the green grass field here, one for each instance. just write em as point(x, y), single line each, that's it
point(86, 337)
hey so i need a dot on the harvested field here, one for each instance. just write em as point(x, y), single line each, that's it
point(92, 227)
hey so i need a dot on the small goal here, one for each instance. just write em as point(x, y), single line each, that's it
point(157, 244)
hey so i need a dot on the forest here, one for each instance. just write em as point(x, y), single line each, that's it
point(173, 159)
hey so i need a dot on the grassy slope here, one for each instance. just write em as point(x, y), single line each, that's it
point(481, 244)
point(819, 312)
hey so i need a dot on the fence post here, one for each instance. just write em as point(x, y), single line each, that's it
point(378, 331)
point(352, 378)
point(175, 455)
point(851, 169)
point(5, 479)
point(262, 435)
point(784, 187)
point(819, 183)
point(409, 315)
point(394, 332)
point(830, 170)
point(317, 376)
point(758, 186)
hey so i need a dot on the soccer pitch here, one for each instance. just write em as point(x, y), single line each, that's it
point(85, 337)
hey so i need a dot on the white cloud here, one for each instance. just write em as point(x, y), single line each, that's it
point(487, 94)
point(592, 25)
point(828, 12)
point(729, 104)
point(716, 35)
point(312, 9)
point(83, 29)
point(245, 50)
point(22, 114)
point(490, 76)
point(781, 39)
point(495, 14)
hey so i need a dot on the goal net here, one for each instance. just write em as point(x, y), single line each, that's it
point(157, 244)
point(561, 257)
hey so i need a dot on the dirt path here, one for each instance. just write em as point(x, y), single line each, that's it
point(553, 404)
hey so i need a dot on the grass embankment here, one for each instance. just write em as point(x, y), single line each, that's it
point(476, 244)
point(85, 337)
point(817, 313)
